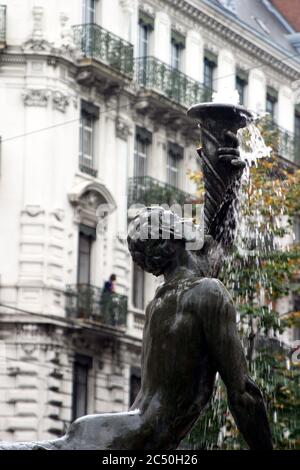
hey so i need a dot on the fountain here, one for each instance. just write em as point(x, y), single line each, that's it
point(219, 124)
point(190, 331)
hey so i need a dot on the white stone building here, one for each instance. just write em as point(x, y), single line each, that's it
point(93, 99)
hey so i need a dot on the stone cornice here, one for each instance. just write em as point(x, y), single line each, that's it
point(229, 29)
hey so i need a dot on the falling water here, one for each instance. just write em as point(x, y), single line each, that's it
point(252, 145)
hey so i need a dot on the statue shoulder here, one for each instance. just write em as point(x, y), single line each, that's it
point(208, 291)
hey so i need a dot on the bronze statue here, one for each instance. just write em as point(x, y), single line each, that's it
point(190, 335)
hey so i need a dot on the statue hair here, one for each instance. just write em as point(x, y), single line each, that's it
point(154, 254)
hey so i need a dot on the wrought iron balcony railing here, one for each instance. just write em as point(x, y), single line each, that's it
point(154, 74)
point(87, 302)
point(2, 24)
point(283, 142)
point(147, 190)
point(103, 46)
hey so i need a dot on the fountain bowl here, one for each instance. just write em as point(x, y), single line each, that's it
point(220, 117)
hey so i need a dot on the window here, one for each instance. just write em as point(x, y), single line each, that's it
point(177, 47)
point(172, 170)
point(138, 288)
point(87, 139)
point(271, 103)
point(135, 384)
point(143, 138)
point(89, 11)
point(209, 68)
point(174, 156)
point(146, 26)
point(87, 235)
point(175, 56)
point(81, 368)
point(143, 40)
point(241, 85)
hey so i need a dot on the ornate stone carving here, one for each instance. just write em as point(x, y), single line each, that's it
point(296, 90)
point(128, 5)
point(66, 31)
point(91, 200)
point(59, 214)
point(35, 97)
point(39, 97)
point(33, 211)
point(29, 349)
point(122, 129)
point(102, 224)
point(37, 42)
point(37, 13)
point(60, 101)
point(37, 45)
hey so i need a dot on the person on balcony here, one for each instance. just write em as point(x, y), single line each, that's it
point(107, 301)
point(109, 286)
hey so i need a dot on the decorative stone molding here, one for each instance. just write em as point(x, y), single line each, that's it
point(80, 191)
point(92, 203)
point(296, 90)
point(128, 5)
point(66, 31)
point(177, 27)
point(38, 97)
point(33, 211)
point(60, 101)
point(37, 14)
point(37, 42)
point(122, 129)
point(59, 214)
point(35, 97)
point(102, 224)
point(29, 348)
point(147, 9)
point(37, 45)
point(91, 200)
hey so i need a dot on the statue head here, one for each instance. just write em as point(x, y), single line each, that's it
point(156, 236)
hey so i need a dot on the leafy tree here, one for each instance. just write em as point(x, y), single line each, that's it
point(262, 269)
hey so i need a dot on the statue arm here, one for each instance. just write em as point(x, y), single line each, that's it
point(245, 399)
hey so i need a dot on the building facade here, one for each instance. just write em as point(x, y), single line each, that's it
point(93, 120)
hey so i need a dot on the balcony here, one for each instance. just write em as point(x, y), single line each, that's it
point(147, 190)
point(87, 165)
point(89, 303)
point(153, 74)
point(283, 142)
point(2, 26)
point(111, 56)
